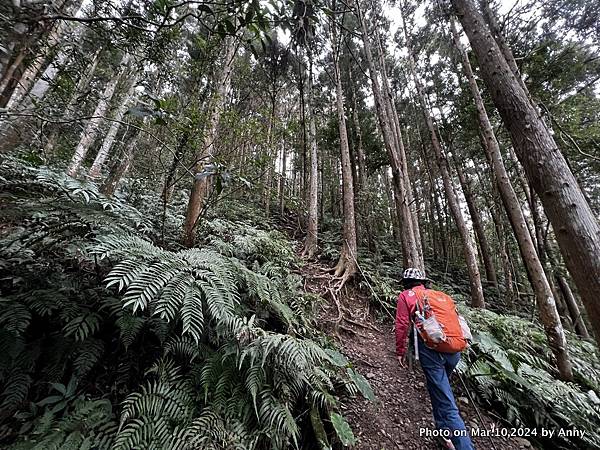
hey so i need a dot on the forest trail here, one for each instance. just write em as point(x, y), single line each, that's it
point(402, 406)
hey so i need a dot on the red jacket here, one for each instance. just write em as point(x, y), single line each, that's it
point(405, 312)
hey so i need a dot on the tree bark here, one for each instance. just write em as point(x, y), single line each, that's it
point(496, 31)
point(360, 151)
point(441, 245)
point(392, 211)
point(282, 179)
point(573, 308)
point(310, 245)
point(346, 266)
point(549, 264)
point(109, 140)
point(543, 293)
point(410, 207)
point(93, 126)
point(477, 299)
point(82, 85)
point(200, 186)
point(30, 75)
point(486, 253)
point(35, 88)
point(120, 168)
point(270, 170)
point(408, 239)
point(23, 37)
point(172, 173)
point(576, 227)
point(8, 76)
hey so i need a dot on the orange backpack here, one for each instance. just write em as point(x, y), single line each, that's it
point(438, 322)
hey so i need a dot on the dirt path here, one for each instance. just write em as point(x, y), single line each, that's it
point(402, 410)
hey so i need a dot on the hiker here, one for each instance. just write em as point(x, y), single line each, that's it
point(439, 349)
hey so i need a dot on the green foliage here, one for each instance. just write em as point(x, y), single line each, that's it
point(342, 430)
point(85, 424)
point(363, 385)
point(510, 368)
point(109, 340)
point(246, 374)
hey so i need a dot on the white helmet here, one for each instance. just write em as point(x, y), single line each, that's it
point(414, 274)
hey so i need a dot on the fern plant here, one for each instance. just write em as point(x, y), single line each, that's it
point(247, 375)
point(108, 340)
point(86, 424)
point(510, 368)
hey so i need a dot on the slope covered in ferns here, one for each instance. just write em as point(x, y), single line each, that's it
point(113, 336)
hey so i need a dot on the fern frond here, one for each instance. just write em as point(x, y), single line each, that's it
point(87, 355)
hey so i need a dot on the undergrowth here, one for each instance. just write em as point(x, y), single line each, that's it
point(113, 336)
point(509, 368)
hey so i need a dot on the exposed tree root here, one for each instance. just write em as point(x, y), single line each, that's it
point(309, 251)
point(321, 277)
point(344, 269)
point(344, 279)
point(340, 311)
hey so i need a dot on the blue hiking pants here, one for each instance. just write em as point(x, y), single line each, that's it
point(437, 368)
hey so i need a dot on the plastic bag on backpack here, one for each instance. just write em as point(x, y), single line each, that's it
point(433, 330)
point(464, 326)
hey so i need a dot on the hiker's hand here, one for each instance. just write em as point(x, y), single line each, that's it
point(402, 361)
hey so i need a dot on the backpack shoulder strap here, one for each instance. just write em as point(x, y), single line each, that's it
point(419, 306)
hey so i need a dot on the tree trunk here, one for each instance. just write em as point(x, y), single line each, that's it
point(408, 239)
point(120, 168)
point(360, 151)
point(9, 76)
point(26, 41)
point(321, 191)
point(282, 179)
point(310, 245)
point(576, 227)
point(109, 140)
point(525, 187)
point(80, 88)
point(270, 170)
point(393, 212)
point(172, 173)
point(346, 266)
point(14, 87)
point(303, 135)
point(574, 312)
point(93, 126)
point(410, 209)
point(200, 187)
point(543, 292)
point(486, 253)
point(355, 187)
point(442, 243)
point(30, 74)
point(549, 264)
point(494, 27)
point(41, 85)
point(477, 299)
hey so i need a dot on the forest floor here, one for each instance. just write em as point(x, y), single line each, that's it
point(402, 409)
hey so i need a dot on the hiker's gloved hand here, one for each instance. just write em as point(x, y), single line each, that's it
point(402, 361)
